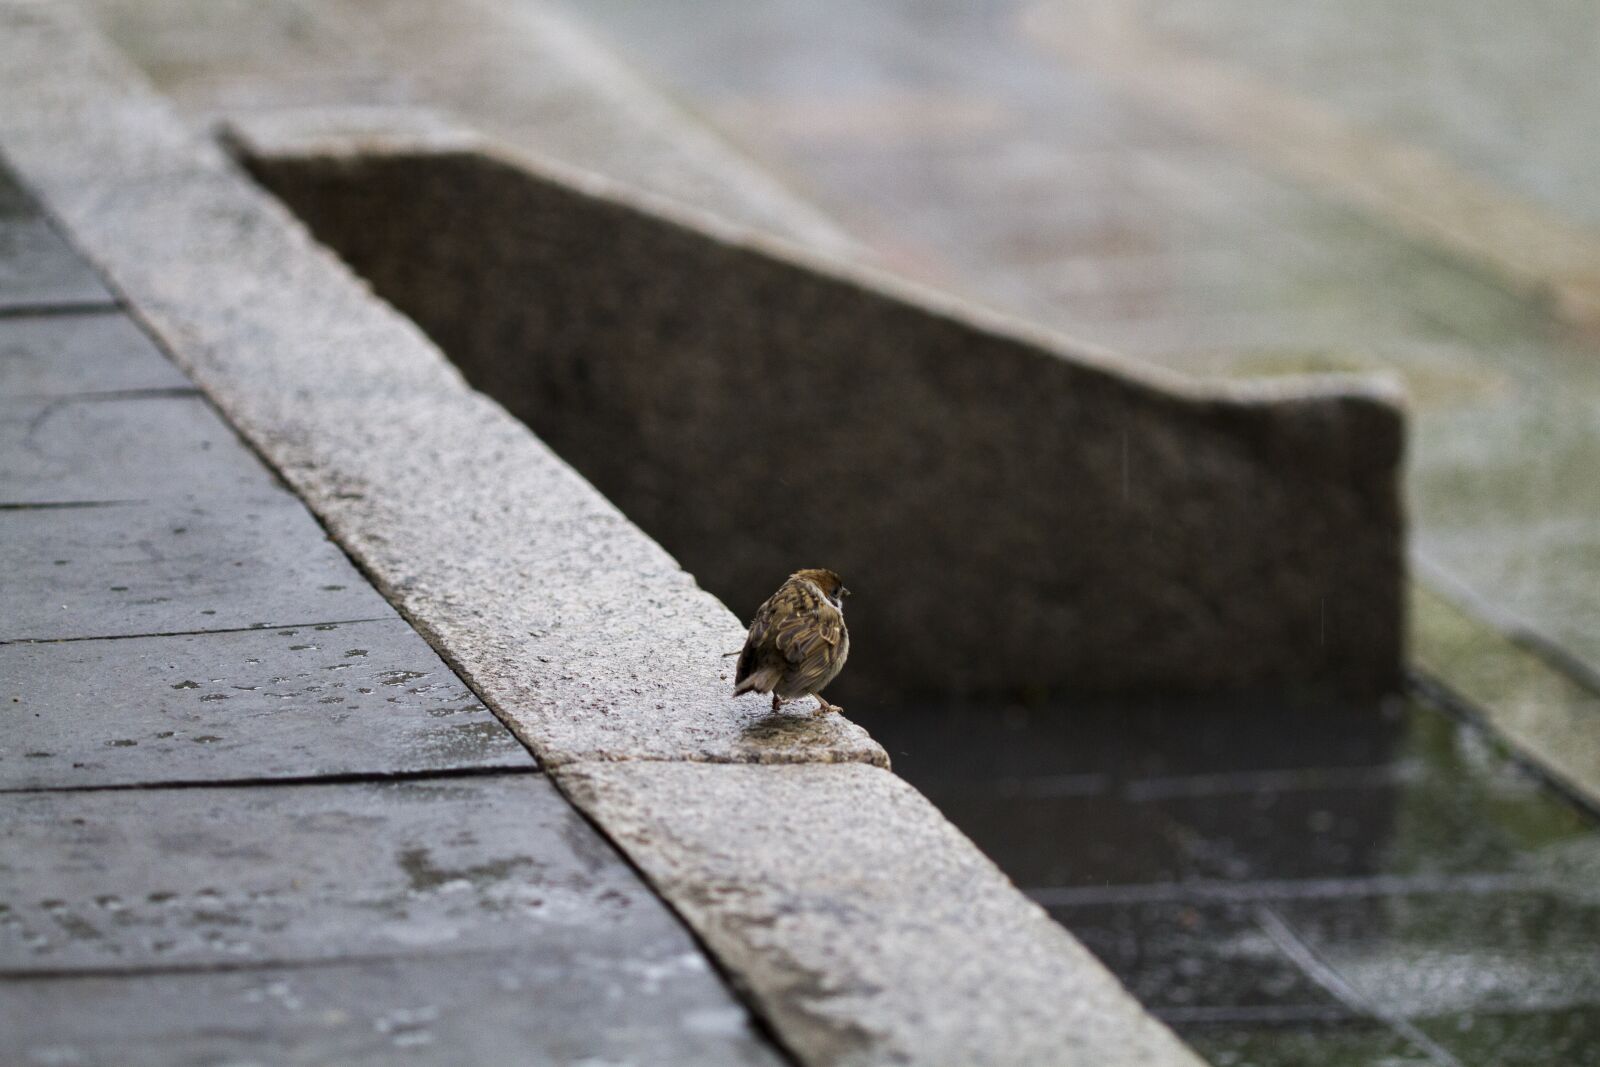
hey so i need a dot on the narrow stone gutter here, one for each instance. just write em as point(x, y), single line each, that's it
point(859, 923)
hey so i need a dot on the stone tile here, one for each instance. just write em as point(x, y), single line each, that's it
point(1541, 710)
point(1359, 1043)
point(1570, 1038)
point(174, 567)
point(127, 880)
point(864, 926)
point(58, 355)
point(362, 698)
point(1186, 956)
point(1437, 954)
point(544, 1005)
point(96, 448)
point(38, 268)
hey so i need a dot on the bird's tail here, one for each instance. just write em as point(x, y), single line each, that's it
point(761, 681)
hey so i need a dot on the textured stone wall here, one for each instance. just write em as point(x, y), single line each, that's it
point(1012, 514)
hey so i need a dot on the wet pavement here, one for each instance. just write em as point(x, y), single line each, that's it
point(1344, 886)
point(250, 815)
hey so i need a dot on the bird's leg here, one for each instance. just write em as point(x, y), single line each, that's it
point(823, 707)
point(776, 703)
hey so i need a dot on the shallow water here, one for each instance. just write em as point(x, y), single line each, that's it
point(1290, 886)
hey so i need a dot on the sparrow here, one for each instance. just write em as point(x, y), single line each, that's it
point(797, 643)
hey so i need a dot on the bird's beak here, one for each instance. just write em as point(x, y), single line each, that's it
point(843, 592)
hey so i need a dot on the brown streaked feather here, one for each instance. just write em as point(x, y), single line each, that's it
point(797, 641)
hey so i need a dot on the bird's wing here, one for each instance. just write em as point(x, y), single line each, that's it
point(805, 622)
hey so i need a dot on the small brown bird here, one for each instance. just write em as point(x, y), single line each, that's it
point(798, 642)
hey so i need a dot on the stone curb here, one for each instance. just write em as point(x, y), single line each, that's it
point(862, 925)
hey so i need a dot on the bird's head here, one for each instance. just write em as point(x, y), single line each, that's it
point(831, 584)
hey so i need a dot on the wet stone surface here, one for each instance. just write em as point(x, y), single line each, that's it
point(560, 1007)
point(117, 447)
point(476, 920)
point(364, 698)
point(1348, 886)
point(62, 355)
point(134, 879)
point(37, 268)
point(174, 567)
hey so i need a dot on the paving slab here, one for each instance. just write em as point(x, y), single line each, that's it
point(37, 268)
point(862, 925)
point(1538, 706)
point(62, 355)
point(488, 1010)
point(129, 880)
point(70, 449)
point(300, 702)
point(173, 567)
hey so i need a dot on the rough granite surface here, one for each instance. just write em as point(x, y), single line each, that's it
point(864, 926)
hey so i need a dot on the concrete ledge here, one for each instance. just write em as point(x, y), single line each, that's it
point(862, 925)
point(1104, 527)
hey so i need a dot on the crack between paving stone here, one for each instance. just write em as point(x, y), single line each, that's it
point(17, 974)
point(62, 309)
point(335, 778)
point(89, 396)
point(1278, 889)
point(1320, 971)
point(252, 628)
point(56, 505)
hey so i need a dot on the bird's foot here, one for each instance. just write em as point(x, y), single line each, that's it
point(823, 707)
point(776, 703)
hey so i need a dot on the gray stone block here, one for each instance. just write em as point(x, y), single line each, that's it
point(363, 698)
point(861, 924)
point(1102, 527)
point(59, 355)
point(129, 880)
point(112, 447)
point(173, 567)
point(488, 1010)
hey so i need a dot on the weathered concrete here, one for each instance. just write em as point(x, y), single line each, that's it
point(120, 447)
point(174, 567)
point(484, 1008)
point(861, 923)
point(61, 355)
point(301, 702)
point(1102, 528)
